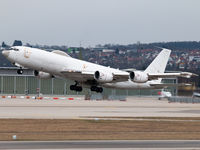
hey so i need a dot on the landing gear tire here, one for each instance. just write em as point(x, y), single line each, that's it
point(72, 87)
point(20, 71)
point(93, 88)
point(100, 90)
point(96, 89)
point(79, 88)
point(76, 88)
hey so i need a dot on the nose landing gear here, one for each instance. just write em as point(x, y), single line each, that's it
point(20, 71)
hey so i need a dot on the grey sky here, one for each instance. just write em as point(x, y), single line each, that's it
point(67, 22)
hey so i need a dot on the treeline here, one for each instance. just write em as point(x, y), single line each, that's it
point(183, 45)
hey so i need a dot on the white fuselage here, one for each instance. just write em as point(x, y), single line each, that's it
point(54, 64)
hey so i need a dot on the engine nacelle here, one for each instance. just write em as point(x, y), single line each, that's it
point(42, 75)
point(103, 77)
point(138, 77)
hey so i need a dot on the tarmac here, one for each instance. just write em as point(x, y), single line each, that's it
point(108, 144)
point(79, 108)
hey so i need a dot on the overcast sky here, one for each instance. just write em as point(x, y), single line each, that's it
point(67, 22)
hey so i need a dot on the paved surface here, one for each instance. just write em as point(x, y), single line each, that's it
point(101, 144)
point(79, 108)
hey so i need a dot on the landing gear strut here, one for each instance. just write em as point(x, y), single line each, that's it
point(96, 89)
point(76, 88)
point(20, 71)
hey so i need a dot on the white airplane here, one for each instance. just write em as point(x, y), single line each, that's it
point(196, 94)
point(164, 94)
point(85, 74)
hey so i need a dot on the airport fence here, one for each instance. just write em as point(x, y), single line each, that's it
point(27, 84)
point(175, 99)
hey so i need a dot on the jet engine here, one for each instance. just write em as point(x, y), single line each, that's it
point(103, 77)
point(42, 75)
point(138, 77)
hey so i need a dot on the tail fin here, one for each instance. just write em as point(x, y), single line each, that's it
point(159, 64)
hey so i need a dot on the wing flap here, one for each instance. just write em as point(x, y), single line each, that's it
point(78, 75)
point(119, 77)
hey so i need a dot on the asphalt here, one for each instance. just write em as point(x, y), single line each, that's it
point(79, 108)
point(64, 109)
point(126, 144)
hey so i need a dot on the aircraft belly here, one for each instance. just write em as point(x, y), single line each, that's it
point(75, 78)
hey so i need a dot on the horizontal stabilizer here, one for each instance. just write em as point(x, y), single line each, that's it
point(153, 76)
point(163, 85)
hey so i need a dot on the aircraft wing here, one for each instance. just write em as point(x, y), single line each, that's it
point(78, 75)
point(121, 76)
point(153, 76)
point(165, 85)
point(87, 75)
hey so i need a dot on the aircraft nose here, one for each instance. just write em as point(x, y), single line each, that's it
point(5, 53)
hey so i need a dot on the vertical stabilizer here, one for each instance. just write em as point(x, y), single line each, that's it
point(159, 64)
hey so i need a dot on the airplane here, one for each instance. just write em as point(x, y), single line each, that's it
point(196, 94)
point(57, 63)
point(164, 94)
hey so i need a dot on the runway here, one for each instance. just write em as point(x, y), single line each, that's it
point(79, 108)
point(126, 144)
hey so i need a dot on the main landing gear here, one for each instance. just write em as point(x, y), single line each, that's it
point(76, 88)
point(20, 71)
point(96, 89)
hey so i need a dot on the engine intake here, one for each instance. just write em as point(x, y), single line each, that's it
point(138, 76)
point(103, 77)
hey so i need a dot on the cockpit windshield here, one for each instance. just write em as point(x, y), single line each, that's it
point(13, 48)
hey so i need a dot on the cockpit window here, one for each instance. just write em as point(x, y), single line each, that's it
point(15, 49)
